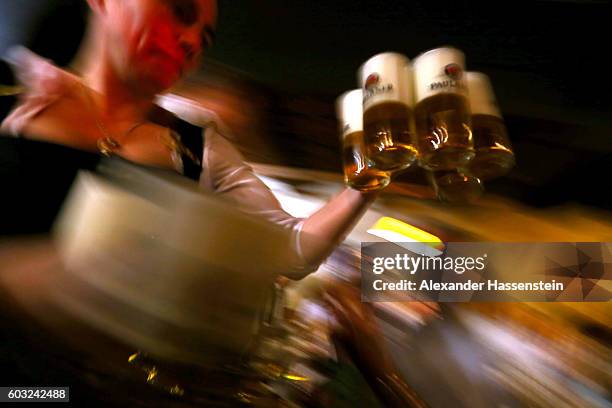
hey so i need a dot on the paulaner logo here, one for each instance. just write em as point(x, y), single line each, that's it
point(372, 86)
point(455, 73)
point(413, 264)
point(372, 80)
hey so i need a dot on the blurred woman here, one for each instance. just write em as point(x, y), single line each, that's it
point(135, 50)
point(65, 122)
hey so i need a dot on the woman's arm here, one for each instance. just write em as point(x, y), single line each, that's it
point(315, 237)
point(329, 226)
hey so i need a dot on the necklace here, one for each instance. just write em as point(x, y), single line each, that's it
point(107, 144)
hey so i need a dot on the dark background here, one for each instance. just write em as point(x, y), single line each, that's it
point(548, 61)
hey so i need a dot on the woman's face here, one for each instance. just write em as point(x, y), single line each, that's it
point(153, 43)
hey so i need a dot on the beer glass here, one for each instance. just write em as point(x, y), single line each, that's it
point(359, 172)
point(455, 186)
point(442, 115)
point(494, 155)
point(387, 111)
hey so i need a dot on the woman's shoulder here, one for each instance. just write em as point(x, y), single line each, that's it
point(201, 130)
point(42, 83)
point(188, 110)
point(38, 74)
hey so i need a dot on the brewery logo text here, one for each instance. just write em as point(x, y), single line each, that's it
point(455, 75)
point(372, 87)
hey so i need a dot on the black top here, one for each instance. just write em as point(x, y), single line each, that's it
point(36, 176)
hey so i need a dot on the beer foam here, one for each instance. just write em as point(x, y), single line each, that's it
point(386, 78)
point(349, 111)
point(431, 76)
point(482, 97)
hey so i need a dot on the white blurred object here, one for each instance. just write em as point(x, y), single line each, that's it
point(175, 272)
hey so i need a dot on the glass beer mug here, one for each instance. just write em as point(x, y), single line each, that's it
point(388, 125)
point(359, 171)
point(455, 186)
point(494, 155)
point(442, 114)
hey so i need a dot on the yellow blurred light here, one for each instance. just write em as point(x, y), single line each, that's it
point(395, 230)
point(9, 90)
point(293, 377)
point(176, 390)
point(151, 374)
point(133, 357)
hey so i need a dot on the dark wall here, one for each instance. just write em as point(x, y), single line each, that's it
point(52, 28)
point(546, 60)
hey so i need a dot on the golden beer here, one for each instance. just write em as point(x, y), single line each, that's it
point(387, 111)
point(359, 171)
point(442, 115)
point(494, 155)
